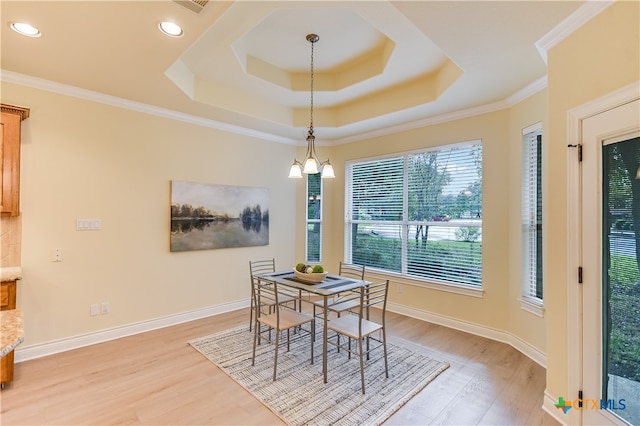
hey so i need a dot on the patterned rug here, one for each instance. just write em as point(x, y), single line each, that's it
point(299, 396)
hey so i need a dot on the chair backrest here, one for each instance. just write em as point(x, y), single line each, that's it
point(373, 295)
point(351, 270)
point(265, 295)
point(261, 267)
point(257, 267)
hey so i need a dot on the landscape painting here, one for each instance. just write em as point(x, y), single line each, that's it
point(206, 216)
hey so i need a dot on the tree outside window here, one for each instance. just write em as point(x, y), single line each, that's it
point(418, 214)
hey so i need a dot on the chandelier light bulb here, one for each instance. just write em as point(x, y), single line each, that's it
point(310, 166)
point(327, 171)
point(295, 171)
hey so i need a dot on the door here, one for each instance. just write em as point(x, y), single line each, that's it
point(610, 232)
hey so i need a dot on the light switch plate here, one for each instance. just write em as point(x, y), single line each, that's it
point(88, 224)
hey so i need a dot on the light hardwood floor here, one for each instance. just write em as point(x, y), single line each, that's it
point(157, 378)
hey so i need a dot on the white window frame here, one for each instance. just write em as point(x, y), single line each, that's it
point(529, 221)
point(402, 277)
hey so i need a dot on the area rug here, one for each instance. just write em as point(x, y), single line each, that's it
point(299, 396)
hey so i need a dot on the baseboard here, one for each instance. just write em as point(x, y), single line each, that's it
point(25, 353)
point(490, 333)
point(549, 406)
point(40, 350)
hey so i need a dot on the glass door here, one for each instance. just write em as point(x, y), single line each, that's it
point(610, 235)
point(621, 279)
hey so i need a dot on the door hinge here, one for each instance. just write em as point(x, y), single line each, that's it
point(579, 146)
point(579, 399)
point(579, 274)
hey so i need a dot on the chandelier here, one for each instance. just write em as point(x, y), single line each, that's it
point(311, 163)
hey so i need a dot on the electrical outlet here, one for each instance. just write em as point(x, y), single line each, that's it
point(105, 307)
point(56, 255)
point(94, 309)
point(399, 288)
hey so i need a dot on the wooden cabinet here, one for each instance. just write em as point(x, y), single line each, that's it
point(7, 301)
point(10, 159)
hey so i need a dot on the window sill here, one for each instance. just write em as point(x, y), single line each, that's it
point(533, 307)
point(433, 285)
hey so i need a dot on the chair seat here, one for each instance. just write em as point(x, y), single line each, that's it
point(288, 319)
point(338, 307)
point(348, 326)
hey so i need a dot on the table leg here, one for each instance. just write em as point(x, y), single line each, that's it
point(324, 338)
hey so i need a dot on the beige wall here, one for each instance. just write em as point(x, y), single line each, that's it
point(87, 160)
point(82, 159)
point(501, 133)
point(522, 323)
point(598, 58)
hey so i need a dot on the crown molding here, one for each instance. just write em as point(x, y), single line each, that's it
point(581, 16)
point(89, 95)
point(530, 90)
point(76, 92)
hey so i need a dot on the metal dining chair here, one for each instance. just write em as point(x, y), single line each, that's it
point(270, 313)
point(360, 328)
point(257, 267)
point(339, 303)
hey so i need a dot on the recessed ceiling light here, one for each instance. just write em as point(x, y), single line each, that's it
point(170, 29)
point(25, 29)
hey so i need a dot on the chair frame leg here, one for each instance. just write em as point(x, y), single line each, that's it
point(384, 345)
point(275, 358)
point(361, 364)
point(313, 337)
point(251, 312)
point(255, 342)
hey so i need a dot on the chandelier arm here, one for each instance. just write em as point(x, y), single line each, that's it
point(311, 151)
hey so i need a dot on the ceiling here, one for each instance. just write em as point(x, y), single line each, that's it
point(245, 65)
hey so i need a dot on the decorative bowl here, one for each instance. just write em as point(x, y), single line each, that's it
point(314, 277)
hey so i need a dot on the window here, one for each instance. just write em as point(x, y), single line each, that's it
point(314, 217)
point(532, 213)
point(418, 214)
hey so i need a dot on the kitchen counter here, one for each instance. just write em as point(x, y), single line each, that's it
point(10, 273)
point(11, 332)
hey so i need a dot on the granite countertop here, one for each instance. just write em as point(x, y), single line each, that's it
point(10, 273)
point(11, 333)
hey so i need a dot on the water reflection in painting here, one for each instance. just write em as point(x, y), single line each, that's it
point(206, 216)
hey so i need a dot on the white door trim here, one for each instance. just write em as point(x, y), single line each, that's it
point(575, 117)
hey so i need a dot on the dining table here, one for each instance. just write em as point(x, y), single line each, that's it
point(329, 287)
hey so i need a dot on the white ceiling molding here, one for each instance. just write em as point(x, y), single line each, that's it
point(512, 100)
point(76, 92)
point(584, 14)
point(67, 90)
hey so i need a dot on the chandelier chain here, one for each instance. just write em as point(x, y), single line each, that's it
point(311, 114)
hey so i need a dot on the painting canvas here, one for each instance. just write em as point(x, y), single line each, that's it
point(206, 216)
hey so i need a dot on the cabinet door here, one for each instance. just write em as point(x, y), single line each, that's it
point(10, 151)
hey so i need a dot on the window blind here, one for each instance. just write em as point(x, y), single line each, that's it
point(532, 214)
point(418, 214)
point(314, 218)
